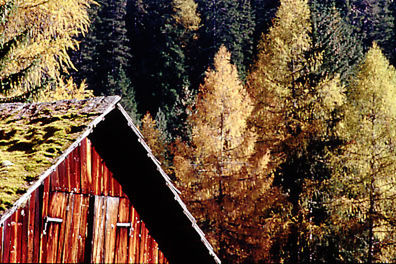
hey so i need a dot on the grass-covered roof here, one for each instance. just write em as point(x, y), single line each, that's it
point(33, 136)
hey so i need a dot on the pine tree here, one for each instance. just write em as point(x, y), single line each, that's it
point(120, 84)
point(105, 49)
point(222, 181)
point(229, 23)
point(163, 35)
point(373, 21)
point(337, 39)
point(362, 189)
point(34, 39)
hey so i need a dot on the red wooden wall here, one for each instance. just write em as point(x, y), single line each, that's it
point(79, 214)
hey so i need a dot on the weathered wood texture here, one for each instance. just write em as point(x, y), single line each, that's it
point(80, 213)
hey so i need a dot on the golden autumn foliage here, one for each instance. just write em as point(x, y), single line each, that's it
point(224, 183)
point(154, 139)
point(34, 38)
point(363, 187)
point(294, 107)
point(64, 90)
point(288, 104)
point(272, 80)
point(186, 14)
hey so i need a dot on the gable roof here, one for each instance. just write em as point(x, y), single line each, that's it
point(36, 138)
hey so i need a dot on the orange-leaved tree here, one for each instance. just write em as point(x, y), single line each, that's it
point(223, 182)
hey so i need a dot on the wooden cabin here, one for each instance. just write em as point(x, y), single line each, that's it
point(79, 184)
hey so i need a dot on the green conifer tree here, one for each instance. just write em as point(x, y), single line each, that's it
point(163, 35)
point(105, 49)
point(337, 39)
point(229, 23)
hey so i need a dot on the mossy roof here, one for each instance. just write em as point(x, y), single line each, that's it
point(33, 137)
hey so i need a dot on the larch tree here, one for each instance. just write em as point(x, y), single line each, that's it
point(280, 61)
point(186, 14)
point(362, 191)
point(223, 182)
point(34, 39)
point(295, 108)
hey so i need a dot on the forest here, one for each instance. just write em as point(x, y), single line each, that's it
point(275, 119)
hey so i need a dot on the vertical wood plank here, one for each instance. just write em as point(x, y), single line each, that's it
point(149, 250)
point(121, 250)
point(77, 170)
point(13, 237)
point(83, 229)
point(143, 244)
point(154, 251)
point(68, 175)
point(55, 186)
point(1, 242)
point(111, 183)
point(161, 258)
point(98, 229)
point(7, 240)
point(95, 171)
point(104, 176)
point(88, 165)
point(62, 177)
point(56, 208)
point(68, 178)
point(68, 220)
point(37, 218)
point(18, 238)
point(115, 186)
point(111, 228)
point(75, 228)
point(25, 232)
point(30, 227)
point(134, 240)
point(83, 166)
point(62, 227)
point(44, 212)
point(73, 171)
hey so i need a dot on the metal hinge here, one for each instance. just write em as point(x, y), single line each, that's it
point(48, 219)
point(126, 225)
